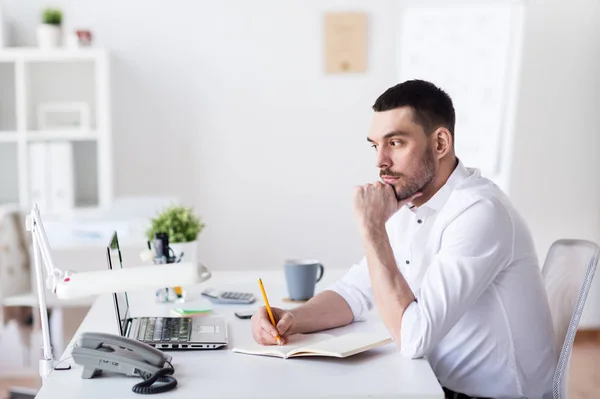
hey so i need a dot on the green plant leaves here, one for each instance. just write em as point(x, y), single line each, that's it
point(52, 16)
point(179, 222)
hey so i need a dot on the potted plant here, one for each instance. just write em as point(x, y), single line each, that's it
point(49, 31)
point(182, 226)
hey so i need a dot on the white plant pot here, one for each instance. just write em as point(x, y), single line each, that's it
point(189, 249)
point(48, 36)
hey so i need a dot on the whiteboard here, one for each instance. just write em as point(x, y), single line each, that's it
point(468, 49)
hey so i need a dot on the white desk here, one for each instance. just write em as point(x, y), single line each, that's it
point(379, 373)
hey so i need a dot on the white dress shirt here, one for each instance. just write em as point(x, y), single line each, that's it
point(481, 318)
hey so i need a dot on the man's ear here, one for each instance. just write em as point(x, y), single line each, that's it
point(442, 142)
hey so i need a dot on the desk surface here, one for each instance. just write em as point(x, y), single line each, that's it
point(378, 373)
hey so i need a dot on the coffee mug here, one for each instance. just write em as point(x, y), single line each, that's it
point(301, 276)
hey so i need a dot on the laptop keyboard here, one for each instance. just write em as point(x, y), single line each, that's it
point(173, 329)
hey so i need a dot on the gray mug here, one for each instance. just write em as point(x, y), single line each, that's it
point(301, 276)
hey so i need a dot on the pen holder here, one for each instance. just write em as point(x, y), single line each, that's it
point(164, 253)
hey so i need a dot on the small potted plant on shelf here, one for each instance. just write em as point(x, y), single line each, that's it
point(182, 226)
point(49, 31)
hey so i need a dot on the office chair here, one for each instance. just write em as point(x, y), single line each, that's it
point(568, 272)
point(15, 278)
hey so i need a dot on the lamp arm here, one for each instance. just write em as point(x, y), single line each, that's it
point(35, 225)
point(43, 258)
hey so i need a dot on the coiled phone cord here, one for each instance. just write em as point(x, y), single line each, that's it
point(162, 376)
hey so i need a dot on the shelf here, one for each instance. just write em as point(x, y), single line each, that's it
point(8, 112)
point(55, 104)
point(8, 137)
point(9, 182)
point(62, 83)
point(62, 54)
point(59, 135)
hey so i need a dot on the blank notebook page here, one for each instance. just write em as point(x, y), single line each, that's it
point(294, 342)
point(349, 344)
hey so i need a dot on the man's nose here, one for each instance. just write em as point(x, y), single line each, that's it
point(383, 160)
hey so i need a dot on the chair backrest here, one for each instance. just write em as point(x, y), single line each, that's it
point(568, 271)
point(15, 276)
point(14, 253)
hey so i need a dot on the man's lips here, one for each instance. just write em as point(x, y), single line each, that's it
point(389, 179)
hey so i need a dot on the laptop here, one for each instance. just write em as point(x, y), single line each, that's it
point(164, 332)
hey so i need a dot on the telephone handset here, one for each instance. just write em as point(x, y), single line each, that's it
point(100, 351)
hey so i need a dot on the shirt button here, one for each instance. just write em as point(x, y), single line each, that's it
point(407, 261)
point(419, 221)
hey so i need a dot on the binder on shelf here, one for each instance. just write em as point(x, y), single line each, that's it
point(62, 196)
point(52, 175)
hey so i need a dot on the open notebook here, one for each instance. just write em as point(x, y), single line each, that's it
point(320, 345)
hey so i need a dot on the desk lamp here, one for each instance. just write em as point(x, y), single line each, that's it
point(70, 285)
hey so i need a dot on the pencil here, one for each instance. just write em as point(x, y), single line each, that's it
point(264, 295)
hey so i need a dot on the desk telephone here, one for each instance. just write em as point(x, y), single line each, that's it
point(97, 352)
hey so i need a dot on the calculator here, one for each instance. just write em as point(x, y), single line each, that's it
point(229, 297)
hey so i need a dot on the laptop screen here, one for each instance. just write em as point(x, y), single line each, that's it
point(113, 253)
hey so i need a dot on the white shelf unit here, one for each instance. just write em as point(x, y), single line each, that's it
point(30, 77)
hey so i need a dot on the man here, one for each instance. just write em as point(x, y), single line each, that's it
point(449, 264)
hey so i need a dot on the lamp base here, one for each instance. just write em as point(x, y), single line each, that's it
point(46, 367)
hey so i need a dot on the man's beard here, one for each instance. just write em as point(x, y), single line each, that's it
point(421, 179)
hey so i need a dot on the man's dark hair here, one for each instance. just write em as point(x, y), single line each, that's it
point(431, 106)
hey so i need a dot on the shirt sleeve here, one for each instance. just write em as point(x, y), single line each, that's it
point(355, 288)
point(475, 247)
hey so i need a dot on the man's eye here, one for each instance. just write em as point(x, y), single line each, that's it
point(374, 146)
point(395, 143)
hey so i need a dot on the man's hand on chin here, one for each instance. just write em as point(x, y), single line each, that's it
point(374, 204)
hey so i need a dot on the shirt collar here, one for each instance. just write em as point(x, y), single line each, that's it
point(437, 201)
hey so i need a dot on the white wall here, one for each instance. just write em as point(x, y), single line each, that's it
point(226, 105)
point(232, 97)
point(556, 170)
